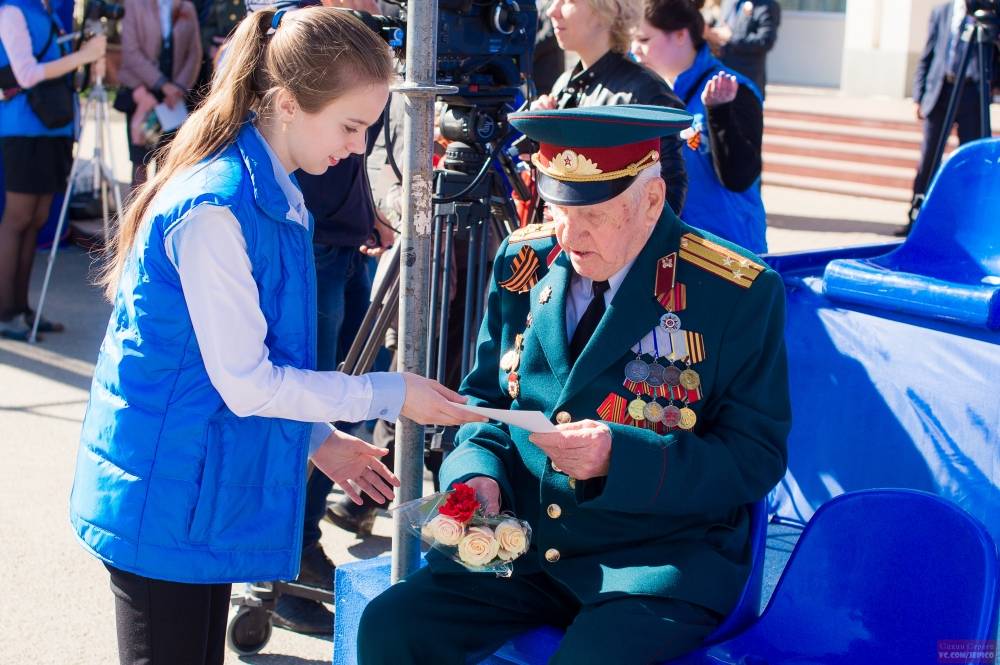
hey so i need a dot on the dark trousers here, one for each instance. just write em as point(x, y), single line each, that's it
point(967, 119)
point(455, 619)
point(343, 293)
point(166, 623)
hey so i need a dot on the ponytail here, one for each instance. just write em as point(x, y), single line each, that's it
point(317, 54)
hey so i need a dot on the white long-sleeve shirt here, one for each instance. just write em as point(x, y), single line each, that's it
point(208, 248)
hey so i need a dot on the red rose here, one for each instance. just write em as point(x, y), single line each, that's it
point(461, 504)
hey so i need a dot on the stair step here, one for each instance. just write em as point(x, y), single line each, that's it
point(836, 186)
point(852, 121)
point(832, 169)
point(849, 152)
point(891, 138)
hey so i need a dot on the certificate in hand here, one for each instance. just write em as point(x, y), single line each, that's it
point(533, 421)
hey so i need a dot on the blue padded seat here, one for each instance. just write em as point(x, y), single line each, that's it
point(949, 266)
point(877, 577)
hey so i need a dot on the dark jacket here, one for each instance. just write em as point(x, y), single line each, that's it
point(616, 79)
point(754, 34)
point(929, 77)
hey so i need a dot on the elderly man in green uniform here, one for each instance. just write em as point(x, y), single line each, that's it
point(658, 350)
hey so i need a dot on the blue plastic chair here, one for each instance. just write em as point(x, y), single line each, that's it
point(537, 646)
point(877, 577)
point(949, 266)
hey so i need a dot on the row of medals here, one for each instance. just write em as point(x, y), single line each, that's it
point(656, 375)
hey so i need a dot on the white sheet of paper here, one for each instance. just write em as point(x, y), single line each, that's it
point(533, 421)
point(171, 118)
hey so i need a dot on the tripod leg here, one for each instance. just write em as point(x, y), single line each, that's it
point(984, 43)
point(956, 91)
point(115, 188)
point(470, 270)
point(33, 338)
point(445, 297)
point(436, 231)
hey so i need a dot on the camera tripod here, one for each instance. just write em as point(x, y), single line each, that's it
point(981, 35)
point(95, 107)
point(471, 208)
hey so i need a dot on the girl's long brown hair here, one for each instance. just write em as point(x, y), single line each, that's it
point(317, 54)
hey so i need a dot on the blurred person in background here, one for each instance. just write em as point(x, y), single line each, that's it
point(933, 82)
point(600, 32)
point(723, 147)
point(37, 151)
point(745, 34)
point(161, 58)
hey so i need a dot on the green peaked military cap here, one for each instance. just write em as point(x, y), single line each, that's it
point(590, 155)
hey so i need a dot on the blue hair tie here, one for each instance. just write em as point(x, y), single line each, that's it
point(276, 21)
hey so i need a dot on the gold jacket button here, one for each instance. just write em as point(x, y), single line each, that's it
point(552, 555)
point(563, 417)
point(572, 483)
point(554, 511)
point(232, 17)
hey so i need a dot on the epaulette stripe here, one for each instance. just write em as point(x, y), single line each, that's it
point(724, 260)
point(691, 239)
point(532, 232)
point(726, 274)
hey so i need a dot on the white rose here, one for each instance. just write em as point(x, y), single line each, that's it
point(445, 530)
point(479, 546)
point(504, 555)
point(512, 538)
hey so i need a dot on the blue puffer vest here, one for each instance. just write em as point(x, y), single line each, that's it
point(170, 484)
point(736, 216)
point(16, 116)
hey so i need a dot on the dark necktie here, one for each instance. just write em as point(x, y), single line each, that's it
point(588, 323)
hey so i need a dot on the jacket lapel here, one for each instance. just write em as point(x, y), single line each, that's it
point(633, 312)
point(548, 319)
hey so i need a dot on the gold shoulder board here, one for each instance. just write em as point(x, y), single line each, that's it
point(718, 260)
point(533, 232)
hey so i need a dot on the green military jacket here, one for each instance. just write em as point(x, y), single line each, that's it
point(670, 519)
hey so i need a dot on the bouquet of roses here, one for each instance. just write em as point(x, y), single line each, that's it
point(455, 524)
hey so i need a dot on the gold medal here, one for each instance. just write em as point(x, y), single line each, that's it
point(544, 296)
point(653, 412)
point(688, 418)
point(636, 409)
point(510, 361)
point(690, 379)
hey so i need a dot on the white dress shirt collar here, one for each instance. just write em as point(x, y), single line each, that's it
point(296, 204)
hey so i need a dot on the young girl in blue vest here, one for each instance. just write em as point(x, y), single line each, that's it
point(204, 407)
point(36, 157)
point(723, 151)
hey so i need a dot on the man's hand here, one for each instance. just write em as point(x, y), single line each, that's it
point(488, 493)
point(93, 49)
point(721, 89)
point(718, 37)
point(356, 467)
point(916, 109)
point(381, 240)
point(582, 450)
point(173, 94)
point(428, 402)
point(543, 103)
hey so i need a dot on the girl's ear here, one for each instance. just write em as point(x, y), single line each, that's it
point(285, 106)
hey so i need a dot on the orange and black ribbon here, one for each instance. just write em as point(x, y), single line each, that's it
point(524, 271)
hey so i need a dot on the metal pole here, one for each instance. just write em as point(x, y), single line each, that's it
point(418, 136)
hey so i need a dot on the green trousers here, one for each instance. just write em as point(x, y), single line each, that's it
point(430, 619)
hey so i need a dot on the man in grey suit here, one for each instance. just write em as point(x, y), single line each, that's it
point(747, 32)
point(933, 82)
